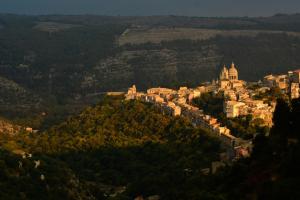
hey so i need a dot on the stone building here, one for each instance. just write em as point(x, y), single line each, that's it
point(224, 74)
point(230, 74)
point(233, 73)
point(163, 91)
point(296, 76)
point(294, 90)
point(232, 108)
point(131, 93)
point(280, 81)
point(132, 90)
point(229, 78)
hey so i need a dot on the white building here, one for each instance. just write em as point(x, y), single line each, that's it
point(232, 108)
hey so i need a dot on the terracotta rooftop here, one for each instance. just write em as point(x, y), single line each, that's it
point(298, 71)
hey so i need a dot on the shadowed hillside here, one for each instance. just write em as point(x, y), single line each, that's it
point(114, 150)
point(72, 60)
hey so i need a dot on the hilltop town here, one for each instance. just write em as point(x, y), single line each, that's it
point(99, 107)
point(240, 99)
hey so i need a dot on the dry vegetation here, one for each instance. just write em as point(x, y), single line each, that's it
point(54, 26)
point(7, 127)
point(156, 35)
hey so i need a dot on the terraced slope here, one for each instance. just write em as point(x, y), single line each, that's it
point(158, 67)
point(157, 35)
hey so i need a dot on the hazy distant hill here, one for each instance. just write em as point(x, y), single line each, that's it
point(276, 22)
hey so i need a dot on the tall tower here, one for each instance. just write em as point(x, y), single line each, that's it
point(224, 73)
point(233, 73)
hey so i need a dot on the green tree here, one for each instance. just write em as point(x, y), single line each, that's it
point(281, 128)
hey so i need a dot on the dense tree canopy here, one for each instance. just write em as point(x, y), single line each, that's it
point(120, 143)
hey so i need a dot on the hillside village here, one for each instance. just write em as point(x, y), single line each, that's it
point(240, 99)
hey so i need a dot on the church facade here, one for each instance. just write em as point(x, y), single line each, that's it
point(229, 77)
point(230, 74)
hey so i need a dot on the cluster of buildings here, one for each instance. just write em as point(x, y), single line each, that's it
point(287, 83)
point(177, 103)
point(239, 99)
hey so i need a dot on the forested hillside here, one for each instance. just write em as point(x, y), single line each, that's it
point(116, 144)
point(121, 150)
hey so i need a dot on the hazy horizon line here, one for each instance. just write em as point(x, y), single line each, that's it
point(154, 15)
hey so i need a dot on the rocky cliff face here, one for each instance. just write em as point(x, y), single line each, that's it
point(17, 102)
point(13, 94)
point(158, 67)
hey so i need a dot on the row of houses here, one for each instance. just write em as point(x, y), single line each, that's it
point(256, 108)
point(240, 101)
point(171, 102)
